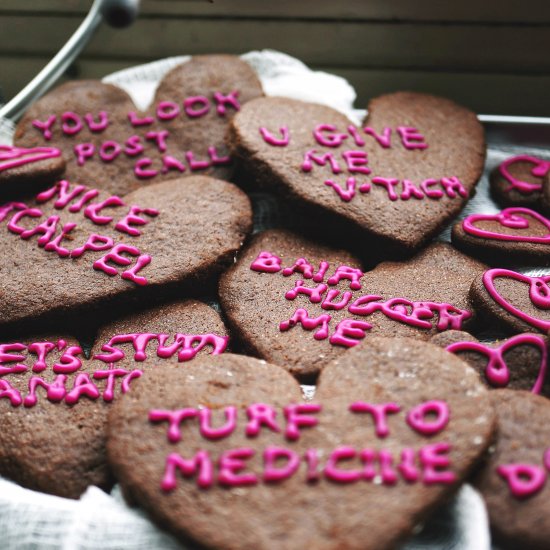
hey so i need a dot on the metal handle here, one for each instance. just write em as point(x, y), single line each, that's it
point(118, 13)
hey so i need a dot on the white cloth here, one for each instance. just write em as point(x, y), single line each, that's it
point(31, 520)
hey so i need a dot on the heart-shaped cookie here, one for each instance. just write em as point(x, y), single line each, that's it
point(518, 363)
point(23, 170)
point(229, 455)
point(54, 402)
point(106, 140)
point(516, 301)
point(299, 304)
point(74, 247)
point(398, 180)
point(517, 181)
point(514, 480)
point(516, 234)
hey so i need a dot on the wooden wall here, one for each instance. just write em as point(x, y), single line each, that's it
point(491, 55)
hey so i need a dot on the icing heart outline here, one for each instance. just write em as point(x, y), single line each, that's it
point(511, 218)
point(496, 371)
point(541, 168)
point(12, 157)
point(539, 294)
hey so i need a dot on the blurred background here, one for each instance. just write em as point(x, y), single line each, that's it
point(493, 56)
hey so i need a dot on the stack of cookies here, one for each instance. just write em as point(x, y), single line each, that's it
point(115, 225)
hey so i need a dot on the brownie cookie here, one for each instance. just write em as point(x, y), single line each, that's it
point(163, 237)
point(106, 141)
point(396, 181)
point(516, 302)
point(281, 281)
point(517, 181)
point(54, 402)
point(515, 235)
point(393, 430)
point(517, 363)
point(513, 482)
point(23, 171)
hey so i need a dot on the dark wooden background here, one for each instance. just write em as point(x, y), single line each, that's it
point(493, 56)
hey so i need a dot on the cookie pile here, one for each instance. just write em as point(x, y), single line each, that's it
point(115, 222)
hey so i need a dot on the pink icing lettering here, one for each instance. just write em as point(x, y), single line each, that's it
point(47, 229)
point(133, 146)
point(217, 160)
point(346, 194)
point(351, 274)
point(266, 263)
point(273, 471)
point(94, 243)
point(326, 135)
point(513, 218)
point(109, 151)
point(18, 216)
point(5, 209)
point(270, 139)
point(55, 391)
point(453, 186)
point(82, 386)
point(131, 274)
point(11, 157)
point(196, 164)
point(407, 467)
point(320, 275)
point(353, 132)
point(379, 414)
point(260, 415)
point(68, 362)
point(433, 459)
point(357, 162)
point(83, 152)
point(167, 110)
point(540, 169)
point(188, 467)
point(171, 163)
point(98, 126)
point(174, 419)
point(389, 185)
point(111, 375)
point(231, 464)
point(348, 332)
point(40, 349)
point(387, 473)
point(92, 210)
point(368, 457)
point(115, 255)
point(300, 416)
point(312, 464)
point(6, 356)
point(196, 106)
point(223, 101)
point(383, 139)
point(205, 422)
point(315, 294)
point(55, 244)
point(136, 121)
point(332, 294)
point(132, 218)
point(418, 417)
point(426, 187)
point(301, 265)
point(410, 190)
point(45, 127)
point(308, 323)
point(159, 138)
point(66, 193)
point(539, 293)
point(312, 156)
point(411, 138)
point(524, 480)
point(71, 123)
point(7, 391)
point(139, 342)
point(186, 342)
point(334, 473)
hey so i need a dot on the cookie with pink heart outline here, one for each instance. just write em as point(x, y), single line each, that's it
point(389, 435)
point(23, 171)
point(513, 481)
point(517, 363)
point(298, 304)
point(395, 182)
point(75, 248)
point(514, 301)
point(54, 401)
point(514, 235)
point(517, 181)
point(107, 141)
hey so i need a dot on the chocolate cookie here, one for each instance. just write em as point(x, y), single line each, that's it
point(513, 482)
point(54, 402)
point(517, 363)
point(394, 428)
point(396, 181)
point(281, 281)
point(517, 181)
point(106, 141)
point(514, 301)
point(27, 170)
point(515, 235)
point(546, 193)
point(160, 238)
